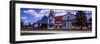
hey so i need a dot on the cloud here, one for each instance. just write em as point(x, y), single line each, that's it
point(45, 12)
point(36, 14)
point(23, 17)
point(26, 21)
point(88, 11)
point(59, 12)
point(72, 11)
point(30, 11)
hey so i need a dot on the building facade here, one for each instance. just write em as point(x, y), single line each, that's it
point(51, 20)
point(58, 22)
point(68, 21)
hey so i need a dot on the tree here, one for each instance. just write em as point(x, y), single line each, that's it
point(81, 19)
point(90, 23)
point(29, 24)
point(21, 23)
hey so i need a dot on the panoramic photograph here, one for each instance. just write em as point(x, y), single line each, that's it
point(37, 21)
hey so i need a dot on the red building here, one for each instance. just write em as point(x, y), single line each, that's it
point(58, 22)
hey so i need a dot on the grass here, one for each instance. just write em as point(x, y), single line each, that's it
point(59, 30)
point(56, 30)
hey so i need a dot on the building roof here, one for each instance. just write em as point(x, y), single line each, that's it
point(69, 16)
point(51, 14)
point(43, 20)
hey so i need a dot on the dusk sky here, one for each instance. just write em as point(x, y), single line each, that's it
point(31, 15)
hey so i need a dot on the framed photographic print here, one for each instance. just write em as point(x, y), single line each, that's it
point(42, 21)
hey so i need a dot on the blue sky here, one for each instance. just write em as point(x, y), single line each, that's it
point(27, 17)
point(31, 15)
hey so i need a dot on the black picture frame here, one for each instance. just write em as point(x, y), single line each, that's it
point(12, 21)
